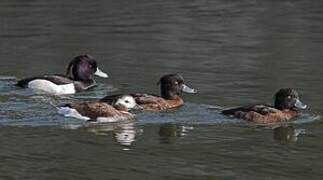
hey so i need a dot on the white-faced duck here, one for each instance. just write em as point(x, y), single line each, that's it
point(78, 78)
point(284, 109)
point(100, 111)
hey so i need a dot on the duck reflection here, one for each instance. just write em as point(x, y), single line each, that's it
point(123, 133)
point(167, 132)
point(287, 133)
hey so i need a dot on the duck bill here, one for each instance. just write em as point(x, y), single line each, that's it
point(300, 105)
point(100, 73)
point(187, 89)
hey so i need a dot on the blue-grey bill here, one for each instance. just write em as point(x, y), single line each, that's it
point(100, 73)
point(187, 89)
point(300, 105)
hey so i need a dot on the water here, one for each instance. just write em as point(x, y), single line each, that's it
point(232, 52)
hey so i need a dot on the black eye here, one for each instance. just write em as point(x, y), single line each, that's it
point(126, 101)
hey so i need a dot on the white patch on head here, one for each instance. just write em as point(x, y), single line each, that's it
point(51, 88)
point(127, 101)
point(70, 112)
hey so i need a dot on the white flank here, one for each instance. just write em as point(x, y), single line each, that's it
point(70, 112)
point(51, 88)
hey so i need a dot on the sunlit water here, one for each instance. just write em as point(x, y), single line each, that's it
point(233, 53)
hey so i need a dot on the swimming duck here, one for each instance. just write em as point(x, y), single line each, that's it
point(101, 111)
point(285, 108)
point(78, 78)
point(171, 86)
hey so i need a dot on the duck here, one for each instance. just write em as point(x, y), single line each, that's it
point(78, 78)
point(100, 111)
point(171, 87)
point(286, 107)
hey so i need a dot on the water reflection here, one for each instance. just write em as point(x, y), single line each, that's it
point(123, 133)
point(287, 133)
point(167, 132)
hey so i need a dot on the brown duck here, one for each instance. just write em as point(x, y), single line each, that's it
point(101, 111)
point(285, 108)
point(171, 86)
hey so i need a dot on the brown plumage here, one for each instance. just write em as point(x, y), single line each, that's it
point(284, 109)
point(101, 111)
point(94, 110)
point(155, 103)
point(171, 86)
point(265, 115)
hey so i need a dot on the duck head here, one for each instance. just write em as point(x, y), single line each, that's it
point(125, 103)
point(288, 99)
point(172, 85)
point(83, 67)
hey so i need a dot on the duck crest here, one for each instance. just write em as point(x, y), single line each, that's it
point(70, 67)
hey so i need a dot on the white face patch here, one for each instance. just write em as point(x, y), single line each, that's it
point(126, 101)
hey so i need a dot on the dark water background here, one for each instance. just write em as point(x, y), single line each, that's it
point(233, 52)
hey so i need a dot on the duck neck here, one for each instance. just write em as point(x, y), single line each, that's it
point(169, 95)
point(85, 78)
point(281, 106)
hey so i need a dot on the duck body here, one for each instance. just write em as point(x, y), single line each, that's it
point(78, 78)
point(156, 103)
point(95, 111)
point(285, 109)
point(100, 111)
point(261, 113)
point(56, 84)
point(171, 86)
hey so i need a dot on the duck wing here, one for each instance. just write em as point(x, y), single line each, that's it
point(147, 98)
point(152, 103)
point(262, 109)
point(56, 79)
point(93, 110)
